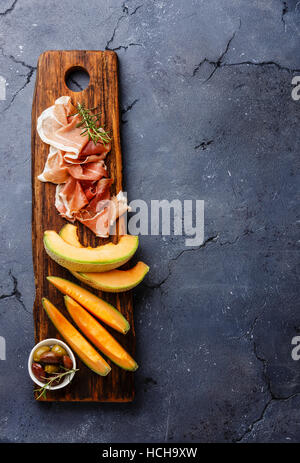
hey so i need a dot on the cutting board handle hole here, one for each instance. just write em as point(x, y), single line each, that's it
point(77, 79)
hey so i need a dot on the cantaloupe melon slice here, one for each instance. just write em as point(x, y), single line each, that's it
point(100, 259)
point(98, 307)
point(98, 335)
point(115, 281)
point(76, 341)
point(69, 234)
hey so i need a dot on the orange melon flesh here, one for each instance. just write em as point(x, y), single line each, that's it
point(98, 335)
point(115, 281)
point(86, 259)
point(98, 307)
point(69, 234)
point(76, 341)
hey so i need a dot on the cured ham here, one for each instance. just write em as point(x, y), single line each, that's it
point(90, 148)
point(56, 168)
point(55, 128)
point(91, 171)
point(77, 165)
point(101, 214)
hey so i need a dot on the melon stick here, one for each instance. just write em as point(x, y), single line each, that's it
point(98, 307)
point(76, 341)
point(98, 335)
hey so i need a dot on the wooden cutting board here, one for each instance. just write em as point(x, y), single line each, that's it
point(102, 92)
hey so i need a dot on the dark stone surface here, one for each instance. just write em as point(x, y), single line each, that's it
point(207, 114)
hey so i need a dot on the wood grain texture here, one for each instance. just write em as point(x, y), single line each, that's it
point(102, 93)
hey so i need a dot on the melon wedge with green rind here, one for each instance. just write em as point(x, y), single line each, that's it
point(98, 307)
point(98, 335)
point(76, 341)
point(101, 259)
point(115, 281)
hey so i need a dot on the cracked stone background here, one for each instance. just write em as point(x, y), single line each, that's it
point(207, 113)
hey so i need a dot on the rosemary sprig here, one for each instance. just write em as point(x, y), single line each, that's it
point(90, 126)
point(43, 390)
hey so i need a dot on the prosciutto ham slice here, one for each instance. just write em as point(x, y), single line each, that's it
point(55, 128)
point(71, 199)
point(90, 148)
point(101, 214)
point(92, 171)
point(78, 168)
point(56, 168)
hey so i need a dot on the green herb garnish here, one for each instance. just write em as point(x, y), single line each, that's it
point(89, 123)
point(43, 390)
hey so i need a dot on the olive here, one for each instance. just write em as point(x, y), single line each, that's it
point(67, 362)
point(58, 350)
point(39, 352)
point(50, 357)
point(38, 371)
point(50, 369)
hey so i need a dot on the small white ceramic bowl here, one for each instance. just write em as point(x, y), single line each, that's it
point(51, 342)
